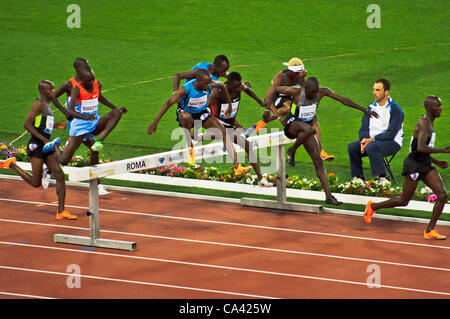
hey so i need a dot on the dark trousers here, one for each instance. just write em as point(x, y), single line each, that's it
point(375, 151)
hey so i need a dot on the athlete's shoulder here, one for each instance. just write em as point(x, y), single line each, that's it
point(202, 65)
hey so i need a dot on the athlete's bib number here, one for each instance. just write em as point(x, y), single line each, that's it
point(49, 124)
point(224, 108)
point(198, 102)
point(89, 106)
point(307, 112)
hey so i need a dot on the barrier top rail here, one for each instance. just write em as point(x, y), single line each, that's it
point(172, 157)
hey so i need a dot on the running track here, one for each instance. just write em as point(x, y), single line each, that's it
point(199, 249)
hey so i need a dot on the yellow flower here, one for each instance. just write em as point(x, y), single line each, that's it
point(3, 147)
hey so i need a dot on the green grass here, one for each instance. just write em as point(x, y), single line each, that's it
point(150, 41)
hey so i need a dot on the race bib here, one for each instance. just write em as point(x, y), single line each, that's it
point(49, 124)
point(432, 140)
point(89, 106)
point(224, 108)
point(307, 112)
point(197, 102)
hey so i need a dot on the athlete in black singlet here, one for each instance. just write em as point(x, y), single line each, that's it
point(39, 123)
point(418, 166)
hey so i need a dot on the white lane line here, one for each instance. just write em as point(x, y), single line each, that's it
point(7, 293)
point(138, 282)
point(277, 250)
point(265, 272)
point(235, 224)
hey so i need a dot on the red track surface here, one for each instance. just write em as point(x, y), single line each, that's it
point(190, 248)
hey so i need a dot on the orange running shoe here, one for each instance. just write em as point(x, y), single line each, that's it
point(368, 213)
point(65, 214)
point(242, 170)
point(191, 155)
point(7, 163)
point(433, 234)
point(325, 157)
point(260, 125)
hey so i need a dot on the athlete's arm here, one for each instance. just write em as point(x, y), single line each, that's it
point(71, 107)
point(36, 109)
point(252, 94)
point(226, 94)
point(176, 96)
point(60, 91)
point(324, 91)
point(423, 127)
point(102, 99)
point(182, 75)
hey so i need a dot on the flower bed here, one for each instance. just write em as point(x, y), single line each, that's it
point(368, 188)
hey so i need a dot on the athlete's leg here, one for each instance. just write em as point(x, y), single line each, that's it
point(212, 122)
point(240, 140)
point(72, 145)
point(434, 181)
point(302, 131)
point(106, 124)
point(312, 147)
point(52, 162)
point(34, 179)
point(409, 187)
point(187, 122)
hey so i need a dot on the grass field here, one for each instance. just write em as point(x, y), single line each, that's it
point(135, 48)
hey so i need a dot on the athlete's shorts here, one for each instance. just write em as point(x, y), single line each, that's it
point(35, 147)
point(291, 120)
point(415, 169)
point(280, 100)
point(80, 127)
point(202, 115)
point(228, 123)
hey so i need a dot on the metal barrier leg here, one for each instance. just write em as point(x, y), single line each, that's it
point(94, 219)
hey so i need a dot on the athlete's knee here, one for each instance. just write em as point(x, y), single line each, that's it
point(36, 182)
point(442, 196)
point(403, 201)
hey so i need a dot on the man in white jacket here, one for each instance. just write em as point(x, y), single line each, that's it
point(378, 137)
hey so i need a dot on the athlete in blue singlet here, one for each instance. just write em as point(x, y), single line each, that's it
point(194, 99)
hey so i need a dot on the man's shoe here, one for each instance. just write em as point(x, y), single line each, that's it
point(50, 146)
point(325, 157)
point(97, 147)
point(290, 157)
point(191, 155)
point(260, 125)
point(357, 180)
point(45, 177)
point(264, 183)
point(368, 212)
point(242, 170)
point(433, 234)
point(333, 201)
point(383, 181)
point(101, 190)
point(7, 163)
point(66, 215)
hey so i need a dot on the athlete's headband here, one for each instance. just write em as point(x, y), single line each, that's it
point(295, 65)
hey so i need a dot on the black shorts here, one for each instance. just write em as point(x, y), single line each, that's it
point(291, 120)
point(35, 147)
point(281, 99)
point(202, 115)
point(416, 169)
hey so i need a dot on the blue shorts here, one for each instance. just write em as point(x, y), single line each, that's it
point(80, 127)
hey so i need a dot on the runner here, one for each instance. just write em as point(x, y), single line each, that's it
point(193, 96)
point(83, 108)
point(39, 123)
point(298, 126)
point(219, 106)
point(418, 165)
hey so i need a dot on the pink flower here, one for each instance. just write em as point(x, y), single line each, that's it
point(432, 198)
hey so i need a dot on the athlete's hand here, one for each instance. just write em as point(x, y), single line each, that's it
point(441, 164)
point(124, 110)
point(61, 125)
point(266, 116)
point(371, 113)
point(447, 149)
point(228, 112)
point(90, 117)
point(151, 129)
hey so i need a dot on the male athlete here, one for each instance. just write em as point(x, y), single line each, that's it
point(194, 101)
point(83, 108)
point(218, 105)
point(79, 65)
point(299, 126)
point(418, 165)
point(40, 123)
point(294, 76)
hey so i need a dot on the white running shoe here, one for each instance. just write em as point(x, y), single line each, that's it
point(101, 190)
point(45, 177)
point(264, 183)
